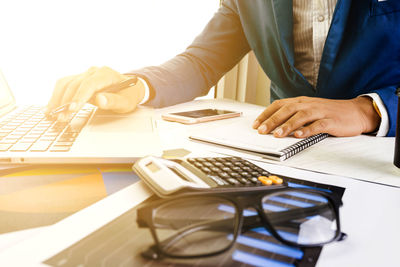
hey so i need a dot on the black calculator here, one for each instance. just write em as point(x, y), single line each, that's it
point(168, 176)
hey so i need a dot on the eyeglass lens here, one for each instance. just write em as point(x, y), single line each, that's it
point(195, 226)
point(303, 218)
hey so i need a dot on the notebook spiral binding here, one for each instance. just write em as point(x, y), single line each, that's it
point(301, 145)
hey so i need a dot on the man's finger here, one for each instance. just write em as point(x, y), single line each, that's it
point(281, 116)
point(271, 109)
point(319, 126)
point(70, 89)
point(124, 101)
point(277, 104)
point(98, 80)
point(58, 92)
point(298, 120)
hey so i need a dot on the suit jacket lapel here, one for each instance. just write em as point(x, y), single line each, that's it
point(333, 40)
point(283, 11)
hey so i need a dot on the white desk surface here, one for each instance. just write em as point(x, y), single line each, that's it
point(369, 216)
point(364, 157)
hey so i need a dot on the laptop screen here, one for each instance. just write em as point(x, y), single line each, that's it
point(7, 101)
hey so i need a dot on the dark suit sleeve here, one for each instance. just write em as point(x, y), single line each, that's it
point(190, 74)
point(389, 99)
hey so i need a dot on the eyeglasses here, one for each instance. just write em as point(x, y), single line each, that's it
point(203, 224)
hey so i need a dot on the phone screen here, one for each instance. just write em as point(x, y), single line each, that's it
point(202, 113)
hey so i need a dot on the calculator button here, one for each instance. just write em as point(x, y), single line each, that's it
point(218, 180)
point(265, 173)
point(258, 182)
point(254, 180)
point(208, 164)
point(255, 173)
point(228, 164)
point(198, 165)
point(205, 169)
point(215, 169)
point(191, 160)
point(244, 181)
point(218, 164)
point(245, 174)
point(234, 174)
point(233, 181)
point(226, 169)
point(224, 175)
point(265, 180)
point(236, 168)
point(275, 179)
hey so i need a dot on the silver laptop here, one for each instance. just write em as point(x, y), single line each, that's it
point(90, 136)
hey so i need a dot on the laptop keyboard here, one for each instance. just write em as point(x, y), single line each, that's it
point(28, 129)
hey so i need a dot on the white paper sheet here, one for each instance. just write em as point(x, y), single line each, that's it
point(362, 157)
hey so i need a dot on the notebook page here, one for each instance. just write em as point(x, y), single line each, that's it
point(240, 134)
point(363, 157)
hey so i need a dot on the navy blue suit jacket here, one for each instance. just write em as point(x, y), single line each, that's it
point(361, 53)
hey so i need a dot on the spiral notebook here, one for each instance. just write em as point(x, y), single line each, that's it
point(240, 135)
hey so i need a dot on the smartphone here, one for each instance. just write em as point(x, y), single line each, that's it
point(201, 115)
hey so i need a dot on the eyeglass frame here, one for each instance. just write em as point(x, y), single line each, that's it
point(240, 202)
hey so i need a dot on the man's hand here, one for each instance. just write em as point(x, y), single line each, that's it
point(306, 116)
point(78, 89)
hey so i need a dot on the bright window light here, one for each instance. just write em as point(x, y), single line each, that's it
point(44, 40)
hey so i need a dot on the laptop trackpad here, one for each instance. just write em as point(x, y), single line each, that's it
point(113, 124)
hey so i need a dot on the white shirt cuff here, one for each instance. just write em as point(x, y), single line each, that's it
point(146, 91)
point(384, 126)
